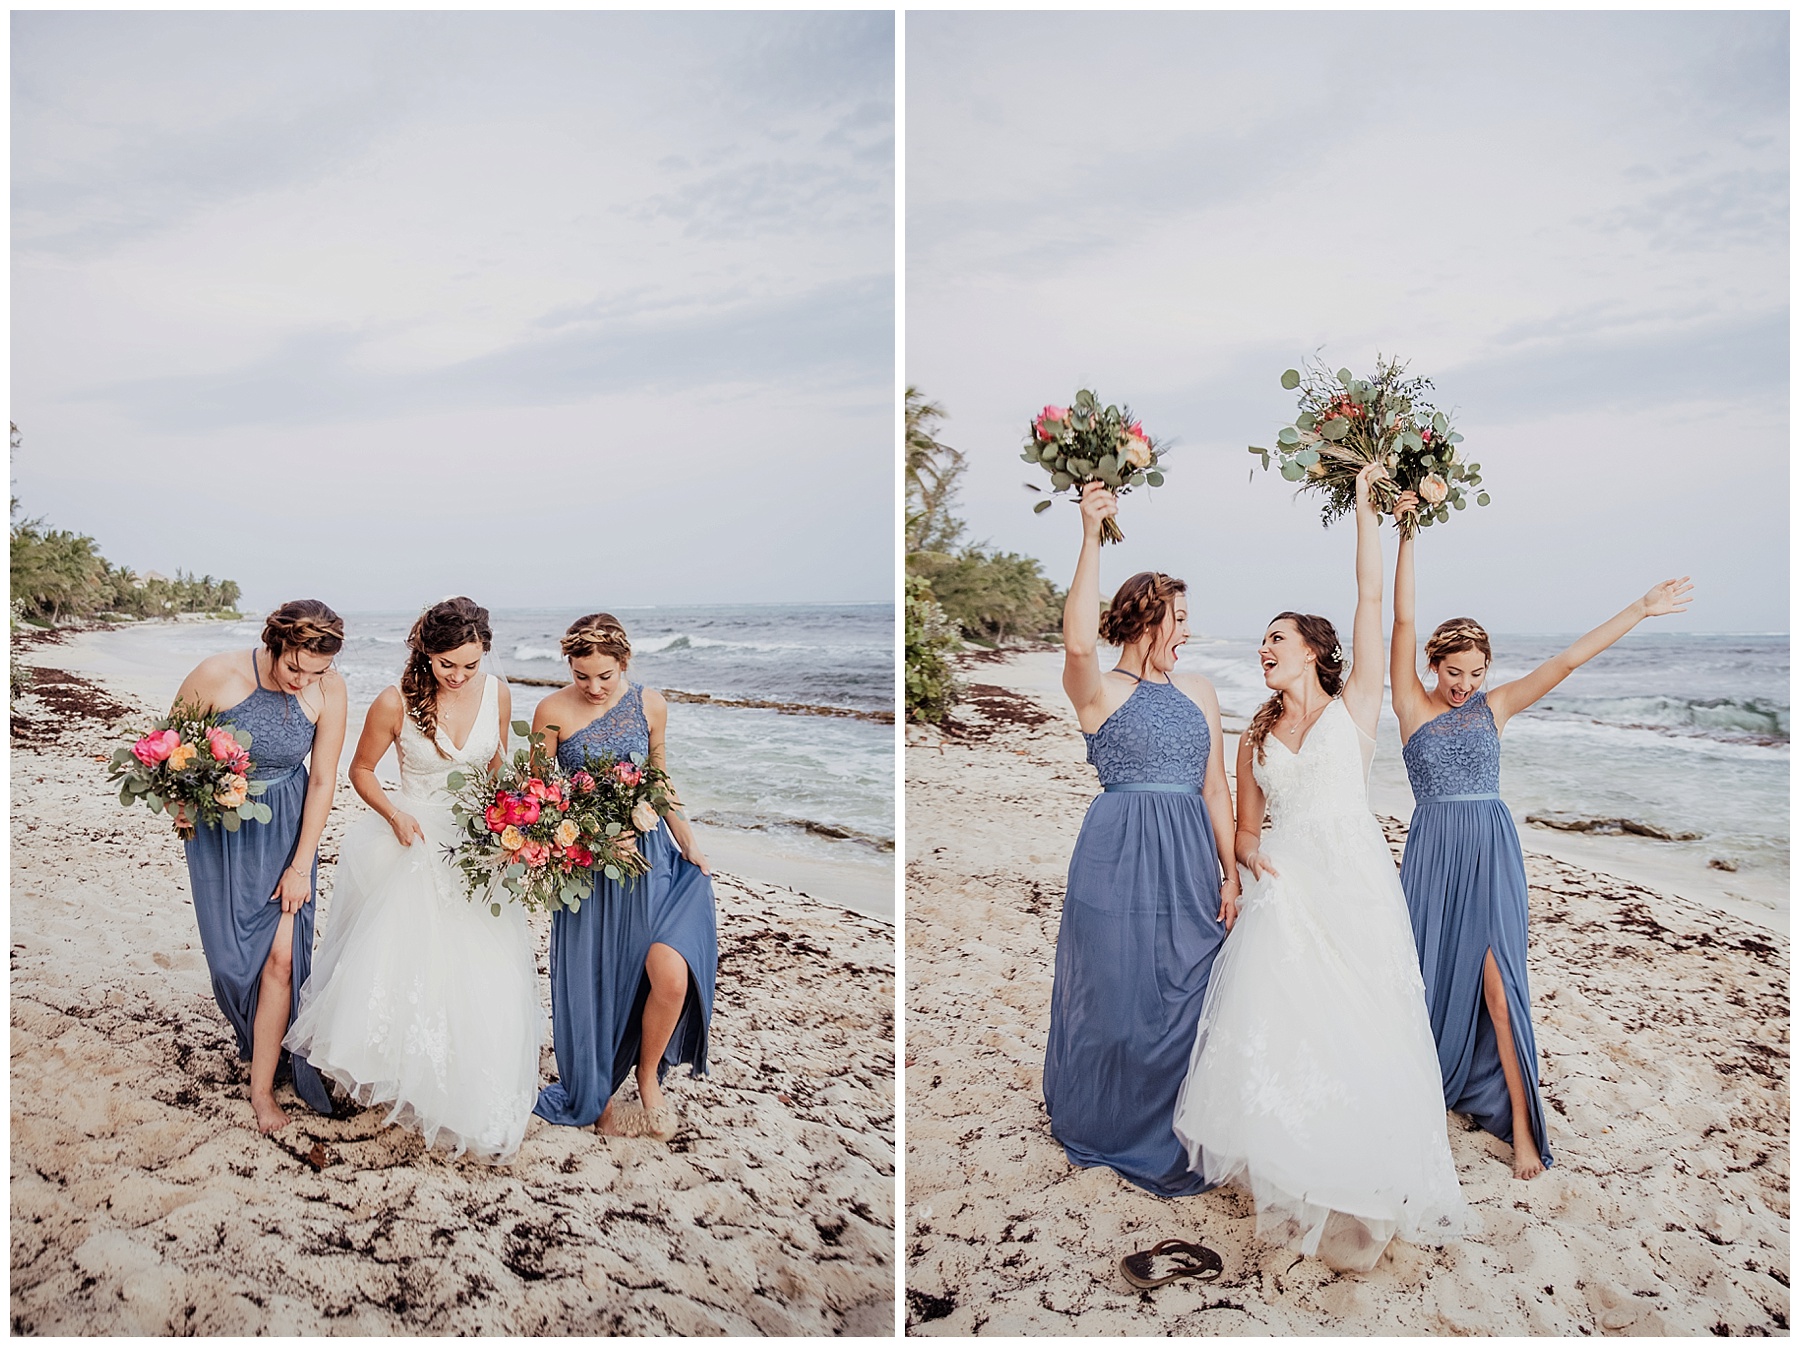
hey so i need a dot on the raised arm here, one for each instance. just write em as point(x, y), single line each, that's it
point(1081, 609)
point(1507, 700)
point(1362, 692)
point(1403, 648)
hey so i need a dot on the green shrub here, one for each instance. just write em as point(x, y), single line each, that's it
point(931, 689)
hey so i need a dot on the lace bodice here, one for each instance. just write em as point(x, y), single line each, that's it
point(280, 734)
point(1327, 779)
point(423, 769)
point(617, 733)
point(1457, 753)
point(1157, 734)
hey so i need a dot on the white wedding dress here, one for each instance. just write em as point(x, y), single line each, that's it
point(421, 1000)
point(1314, 1079)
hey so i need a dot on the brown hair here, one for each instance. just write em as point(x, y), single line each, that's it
point(597, 634)
point(443, 626)
point(1328, 652)
point(303, 624)
point(1139, 606)
point(1454, 637)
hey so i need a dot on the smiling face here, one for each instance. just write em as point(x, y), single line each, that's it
point(453, 668)
point(295, 670)
point(599, 678)
point(1459, 675)
point(1168, 636)
point(1286, 658)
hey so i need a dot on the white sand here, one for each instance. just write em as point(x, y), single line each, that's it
point(1662, 1024)
point(142, 1202)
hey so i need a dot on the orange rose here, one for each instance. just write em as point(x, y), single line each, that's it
point(1433, 489)
point(566, 832)
point(182, 756)
point(644, 818)
point(512, 839)
point(234, 792)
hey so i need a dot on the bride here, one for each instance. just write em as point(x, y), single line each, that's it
point(420, 1000)
point(1313, 1081)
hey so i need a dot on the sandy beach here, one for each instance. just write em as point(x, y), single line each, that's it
point(144, 1203)
point(1661, 1018)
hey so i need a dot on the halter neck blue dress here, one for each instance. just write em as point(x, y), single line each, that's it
point(1464, 876)
point(598, 986)
point(233, 875)
point(1140, 928)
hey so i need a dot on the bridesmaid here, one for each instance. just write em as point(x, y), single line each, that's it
point(253, 888)
point(1463, 871)
point(1153, 884)
point(631, 973)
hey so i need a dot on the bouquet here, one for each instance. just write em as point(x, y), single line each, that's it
point(1090, 443)
point(1347, 423)
point(629, 793)
point(191, 760)
point(537, 831)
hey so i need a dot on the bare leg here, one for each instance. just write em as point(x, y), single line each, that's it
point(668, 993)
point(1526, 1163)
point(273, 1003)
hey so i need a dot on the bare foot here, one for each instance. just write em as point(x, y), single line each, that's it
point(1526, 1164)
point(615, 1122)
point(269, 1117)
point(650, 1092)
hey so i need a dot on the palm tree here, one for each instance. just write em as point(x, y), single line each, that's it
point(932, 468)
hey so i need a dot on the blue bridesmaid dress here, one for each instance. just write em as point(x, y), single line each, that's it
point(1464, 877)
point(1140, 928)
point(598, 986)
point(233, 875)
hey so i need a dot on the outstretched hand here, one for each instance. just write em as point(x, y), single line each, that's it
point(1365, 483)
point(1407, 504)
point(1671, 596)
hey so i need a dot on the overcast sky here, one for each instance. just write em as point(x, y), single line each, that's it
point(557, 308)
point(1576, 223)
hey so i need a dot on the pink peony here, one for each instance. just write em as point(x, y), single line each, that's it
point(536, 789)
point(223, 746)
point(155, 747)
point(582, 782)
point(496, 818)
point(627, 773)
point(533, 854)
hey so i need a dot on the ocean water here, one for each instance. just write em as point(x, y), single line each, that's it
point(796, 787)
point(1687, 732)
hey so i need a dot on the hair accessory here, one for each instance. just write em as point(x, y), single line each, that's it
point(1337, 654)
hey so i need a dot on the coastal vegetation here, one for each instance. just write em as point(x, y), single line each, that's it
point(58, 574)
point(956, 589)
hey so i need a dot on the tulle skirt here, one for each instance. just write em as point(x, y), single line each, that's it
point(1313, 1081)
point(422, 1001)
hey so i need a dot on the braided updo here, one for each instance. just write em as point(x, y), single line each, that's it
point(1454, 637)
point(303, 624)
point(1328, 662)
point(444, 626)
point(597, 634)
point(1139, 607)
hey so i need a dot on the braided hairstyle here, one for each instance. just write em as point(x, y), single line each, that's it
point(597, 634)
point(1139, 607)
point(303, 624)
point(443, 626)
point(1454, 637)
point(1322, 638)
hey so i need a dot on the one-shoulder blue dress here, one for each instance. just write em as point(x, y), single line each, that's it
point(598, 985)
point(1464, 876)
point(233, 876)
point(1140, 928)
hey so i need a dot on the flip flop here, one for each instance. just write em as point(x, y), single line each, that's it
point(1196, 1261)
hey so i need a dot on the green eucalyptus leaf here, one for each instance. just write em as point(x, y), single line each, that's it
point(1061, 481)
point(522, 728)
point(1287, 435)
point(1307, 457)
point(125, 795)
point(1306, 420)
point(1256, 450)
point(1290, 379)
point(1343, 377)
point(1438, 424)
point(1459, 502)
point(1154, 478)
point(614, 873)
point(243, 737)
point(1336, 428)
point(494, 908)
point(1483, 498)
point(245, 811)
point(154, 800)
point(1292, 471)
point(1040, 507)
point(1107, 466)
point(1137, 479)
point(230, 820)
point(456, 781)
point(613, 829)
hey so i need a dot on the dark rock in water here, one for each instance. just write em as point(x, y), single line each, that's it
point(1721, 863)
point(1573, 823)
